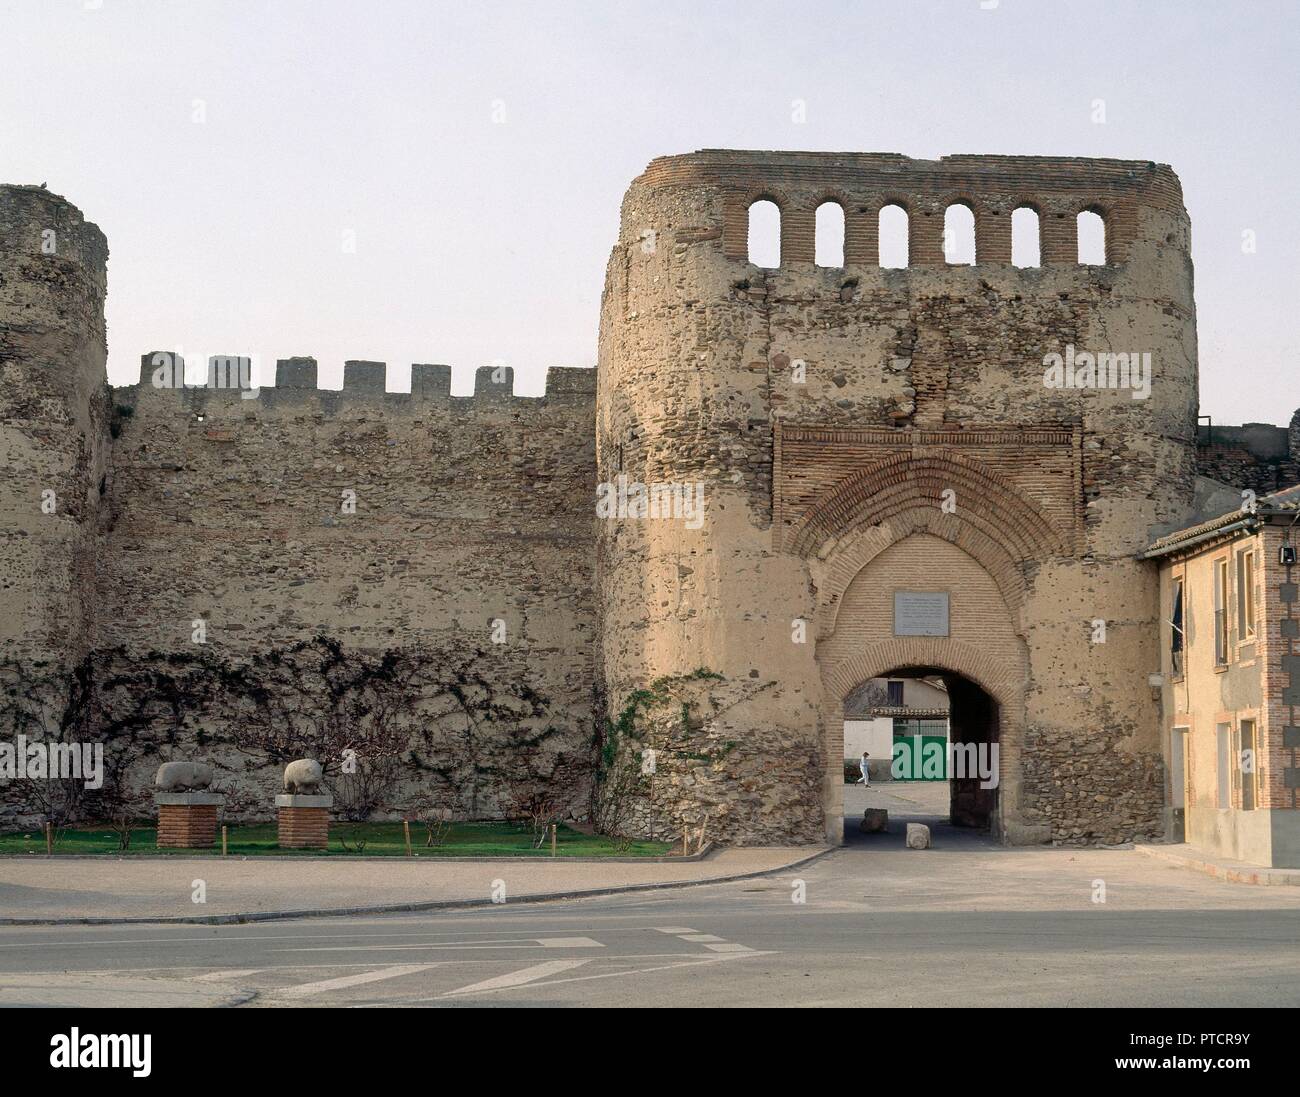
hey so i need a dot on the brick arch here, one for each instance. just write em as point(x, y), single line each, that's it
point(1104, 214)
point(872, 219)
point(830, 194)
point(1003, 675)
point(838, 198)
point(977, 214)
point(901, 483)
point(891, 199)
point(851, 555)
point(1004, 683)
point(735, 217)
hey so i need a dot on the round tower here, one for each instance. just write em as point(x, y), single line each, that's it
point(900, 479)
point(53, 427)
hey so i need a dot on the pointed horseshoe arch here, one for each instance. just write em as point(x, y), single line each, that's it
point(978, 497)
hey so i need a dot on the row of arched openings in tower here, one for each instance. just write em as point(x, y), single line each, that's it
point(958, 236)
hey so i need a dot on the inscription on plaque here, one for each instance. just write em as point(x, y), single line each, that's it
point(920, 613)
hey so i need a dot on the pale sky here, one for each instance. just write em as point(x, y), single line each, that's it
point(226, 148)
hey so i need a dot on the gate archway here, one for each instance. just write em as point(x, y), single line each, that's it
point(982, 649)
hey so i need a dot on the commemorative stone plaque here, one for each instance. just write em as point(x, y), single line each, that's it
point(920, 613)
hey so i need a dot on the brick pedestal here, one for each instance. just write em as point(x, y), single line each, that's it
point(304, 821)
point(187, 820)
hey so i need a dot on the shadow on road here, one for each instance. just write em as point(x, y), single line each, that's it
point(908, 802)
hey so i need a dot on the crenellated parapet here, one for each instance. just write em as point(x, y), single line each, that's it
point(229, 384)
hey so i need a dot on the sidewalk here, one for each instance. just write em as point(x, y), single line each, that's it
point(112, 889)
point(1237, 872)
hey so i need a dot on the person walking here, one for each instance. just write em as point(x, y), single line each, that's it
point(865, 779)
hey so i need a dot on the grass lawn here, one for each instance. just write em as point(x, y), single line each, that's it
point(381, 840)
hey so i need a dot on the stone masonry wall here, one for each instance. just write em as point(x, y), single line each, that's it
point(397, 584)
point(1259, 456)
point(403, 573)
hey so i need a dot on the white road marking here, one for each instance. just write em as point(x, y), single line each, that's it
point(519, 978)
point(728, 946)
point(699, 938)
point(218, 976)
point(306, 990)
point(236, 933)
point(616, 974)
point(673, 930)
point(529, 942)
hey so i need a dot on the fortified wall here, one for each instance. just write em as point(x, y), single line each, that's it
point(406, 576)
point(1259, 456)
point(416, 584)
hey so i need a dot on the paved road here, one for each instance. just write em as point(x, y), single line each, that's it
point(966, 923)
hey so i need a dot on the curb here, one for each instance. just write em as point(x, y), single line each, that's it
point(407, 908)
point(1233, 872)
point(381, 858)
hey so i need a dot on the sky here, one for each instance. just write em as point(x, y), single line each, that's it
point(440, 182)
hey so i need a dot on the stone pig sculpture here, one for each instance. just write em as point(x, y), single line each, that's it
point(302, 777)
point(183, 776)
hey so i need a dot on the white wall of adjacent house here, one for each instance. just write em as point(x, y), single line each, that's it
point(920, 694)
point(874, 736)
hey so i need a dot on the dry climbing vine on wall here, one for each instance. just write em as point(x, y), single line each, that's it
point(660, 718)
point(389, 727)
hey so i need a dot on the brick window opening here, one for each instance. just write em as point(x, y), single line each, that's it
point(959, 235)
point(765, 234)
point(893, 236)
point(1223, 737)
point(1246, 595)
point(1026, 251)
point(1247, 766)
point(1176, 631)
point(829, 239)
point(1220, 613)
point(1092, 239)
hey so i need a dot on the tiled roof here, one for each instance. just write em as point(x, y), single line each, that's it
point(1286, 501)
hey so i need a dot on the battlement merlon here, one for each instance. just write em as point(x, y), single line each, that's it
point(1055, 187)
point(229, 384)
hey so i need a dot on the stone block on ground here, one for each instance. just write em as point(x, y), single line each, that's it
point(874, 820)
point(918, 836)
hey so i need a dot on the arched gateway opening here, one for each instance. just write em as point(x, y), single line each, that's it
point(932, 737)
point(912, 605)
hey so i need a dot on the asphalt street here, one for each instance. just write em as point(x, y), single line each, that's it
point(964, 924)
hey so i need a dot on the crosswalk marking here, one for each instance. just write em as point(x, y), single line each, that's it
point(306, 990)
point(673, 931)
point(728, 946)
point(568, 942)
point(522, 976)
point(699, 938)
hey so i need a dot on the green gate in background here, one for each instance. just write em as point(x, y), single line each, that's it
point(920, 750)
